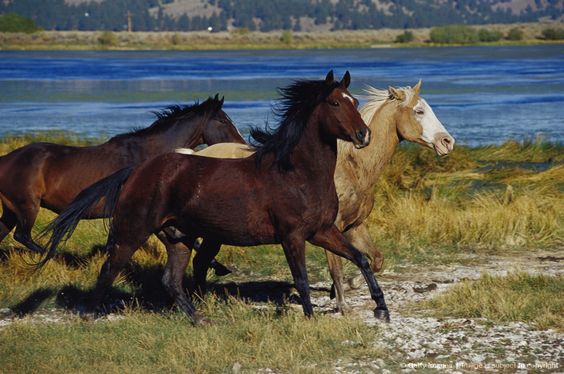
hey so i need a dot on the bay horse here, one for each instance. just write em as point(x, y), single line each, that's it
point(283, 194)
point(393, 115)
point(51, 175)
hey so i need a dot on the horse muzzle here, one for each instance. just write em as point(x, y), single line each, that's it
point(443, 143)
point(362, 138)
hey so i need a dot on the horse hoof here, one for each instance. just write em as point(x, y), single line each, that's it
point(382, 314)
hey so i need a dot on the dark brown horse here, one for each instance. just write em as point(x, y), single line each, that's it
point(285, 194)
point(51, 175)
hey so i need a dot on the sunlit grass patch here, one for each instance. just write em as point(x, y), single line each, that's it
point(240, 336)
point(535, 299)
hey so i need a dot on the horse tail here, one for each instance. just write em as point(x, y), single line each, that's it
point(64, 225)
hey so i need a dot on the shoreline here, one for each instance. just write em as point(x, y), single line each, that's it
point(251, 40)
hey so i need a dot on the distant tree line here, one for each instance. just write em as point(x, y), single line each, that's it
point(268, 15)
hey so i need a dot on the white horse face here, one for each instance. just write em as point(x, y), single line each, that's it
point(418, 123)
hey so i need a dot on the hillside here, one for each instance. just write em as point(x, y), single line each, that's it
point(260, 15)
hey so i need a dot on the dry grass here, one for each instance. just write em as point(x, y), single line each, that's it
point(535, 299)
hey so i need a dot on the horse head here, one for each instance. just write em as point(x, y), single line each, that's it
point(339, 114)
point(416, 121)
point(219, 128)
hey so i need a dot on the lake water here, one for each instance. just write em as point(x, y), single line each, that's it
point(483, 95)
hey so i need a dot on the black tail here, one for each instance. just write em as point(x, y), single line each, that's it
point(64, 225)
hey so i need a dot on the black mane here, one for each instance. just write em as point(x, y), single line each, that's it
point(293, 110)
point(173, 113)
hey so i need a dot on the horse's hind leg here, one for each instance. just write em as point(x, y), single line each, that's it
point(208, 250)
point(27, 215)
point(337, 290)
point(178, 257)
point(119, 256)
point(7, 222)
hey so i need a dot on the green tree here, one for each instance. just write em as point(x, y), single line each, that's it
point(486, 35)
point(406, 37)
point(13, 22)
point(515, 34)
point(553, 34)
point(457, 34)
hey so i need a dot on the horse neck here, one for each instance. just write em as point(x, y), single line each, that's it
point(363, 167)
point(315, 155)
point(148, 144)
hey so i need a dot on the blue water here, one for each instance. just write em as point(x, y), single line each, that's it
point(483, 95)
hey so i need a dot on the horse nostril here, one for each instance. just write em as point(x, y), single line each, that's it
point(360, 134)
point(448, 142)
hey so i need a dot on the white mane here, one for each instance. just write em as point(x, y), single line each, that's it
point(376, 98)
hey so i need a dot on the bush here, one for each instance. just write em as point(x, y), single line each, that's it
point(406, 37)
point(515, 34)
point(287, 37)
point(107, 39)
point(486, 35)
point(553, 34)
point(12, 22)
point(454, 34)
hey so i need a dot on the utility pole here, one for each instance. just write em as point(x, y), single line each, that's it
point(129, 21)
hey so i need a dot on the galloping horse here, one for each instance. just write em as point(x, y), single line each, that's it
point(51, 175)
point(393, 115)
point(284, 193)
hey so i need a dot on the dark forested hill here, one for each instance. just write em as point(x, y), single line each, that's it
point(269, 15)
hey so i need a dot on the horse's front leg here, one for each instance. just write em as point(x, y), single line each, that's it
point(332, 240)
point(294, 249)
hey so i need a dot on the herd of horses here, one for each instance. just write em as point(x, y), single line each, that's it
point(311, 178)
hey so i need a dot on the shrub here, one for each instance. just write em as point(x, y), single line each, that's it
point(515, 34)
point(176, 39)
point(406, 37)
point(553, 34)
point(486, 35)
point(107, 39)
point(287, 37)
point(12, 22)
point(454, 34)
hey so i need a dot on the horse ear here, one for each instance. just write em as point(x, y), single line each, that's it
point(216, 97)
point(329, 78)
point(346, 81)
point(396, 94)
point(222, 100)
point(417, 88)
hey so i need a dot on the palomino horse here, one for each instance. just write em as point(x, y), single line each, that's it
point(51, 175)
point(393, 115)
point(281, 194)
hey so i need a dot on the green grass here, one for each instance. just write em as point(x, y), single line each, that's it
point(536, 299)
point(145, 342)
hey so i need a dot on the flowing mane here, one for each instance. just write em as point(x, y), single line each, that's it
point(293, 111)
point(173, 113)
point(376, 98)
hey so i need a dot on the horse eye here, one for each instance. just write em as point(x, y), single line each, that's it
point(419, 112)
point(333, 103)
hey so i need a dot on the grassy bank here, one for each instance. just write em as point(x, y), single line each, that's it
point(242, 39)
